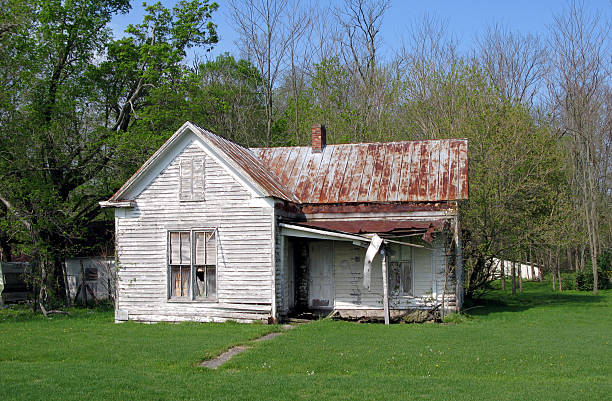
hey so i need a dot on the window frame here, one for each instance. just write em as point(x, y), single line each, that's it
point(402, 261)
point(191, 297)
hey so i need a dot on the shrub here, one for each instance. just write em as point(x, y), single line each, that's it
point(568, 281)
point(455, 318)
point(584, 279)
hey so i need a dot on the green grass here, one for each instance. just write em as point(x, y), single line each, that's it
point(534, 346)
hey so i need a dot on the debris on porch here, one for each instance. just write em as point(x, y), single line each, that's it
point(431, 315)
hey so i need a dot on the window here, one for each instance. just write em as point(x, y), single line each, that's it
point(192, 264)
point(400, 270)
point(192, 176)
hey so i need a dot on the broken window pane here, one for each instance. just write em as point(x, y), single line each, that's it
point(211, 248)
point(200, 282)
point(200, 248)
point(211, 281)
point(175, 281)
point(185, 275)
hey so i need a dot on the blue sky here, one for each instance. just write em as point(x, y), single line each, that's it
point(464, 18)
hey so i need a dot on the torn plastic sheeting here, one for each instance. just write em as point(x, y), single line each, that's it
point(367, 263)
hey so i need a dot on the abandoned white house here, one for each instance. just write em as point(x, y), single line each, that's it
point(208, 230)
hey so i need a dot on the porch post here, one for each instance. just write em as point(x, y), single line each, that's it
point(383, 253)
point(459, 266)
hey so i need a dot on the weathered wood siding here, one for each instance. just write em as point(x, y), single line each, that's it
point(245, 247)
point(428, 277)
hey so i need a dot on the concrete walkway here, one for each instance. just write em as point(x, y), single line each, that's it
point(227, 355)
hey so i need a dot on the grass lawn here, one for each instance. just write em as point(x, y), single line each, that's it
point(535, 346)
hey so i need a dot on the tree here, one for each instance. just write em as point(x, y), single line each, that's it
point(515, 167)
point(223, 95)
point(150, 56)
point(267, 30)
point(56, 147)
point(361, 21)
point(579, 86)
point(516, 63)
point(49, 143)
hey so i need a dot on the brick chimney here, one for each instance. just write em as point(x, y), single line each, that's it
point(319, 138)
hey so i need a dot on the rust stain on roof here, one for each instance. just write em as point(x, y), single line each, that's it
point(393, 172)
point(414, 171)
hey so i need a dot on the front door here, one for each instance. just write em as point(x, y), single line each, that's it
point(321, 285)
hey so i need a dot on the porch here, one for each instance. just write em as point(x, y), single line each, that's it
point(321, 271)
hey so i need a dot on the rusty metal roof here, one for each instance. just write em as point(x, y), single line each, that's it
point(414, 171)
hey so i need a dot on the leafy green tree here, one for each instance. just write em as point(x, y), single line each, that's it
point(515, 166)
point(223, 95)
point(151, 56)
point(66, 114)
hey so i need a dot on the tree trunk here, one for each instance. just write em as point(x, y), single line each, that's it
point(576, 259)
point(42, 292)
point(540, 270)
point(559, 268)
point(513, 272)
point(66, 285)
point(552, 270)
point(520, 276)
point(502, 268)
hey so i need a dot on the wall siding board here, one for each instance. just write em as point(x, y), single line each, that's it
point(244, 260)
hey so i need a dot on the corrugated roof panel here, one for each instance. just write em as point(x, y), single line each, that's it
point(396, 172)
point(326, 170)
point(368, 173)
point(335, 177)
point(404, 183)
point(411, 171)
point(376, 188)
point(463, 171)
point(433, 181)
point(353, 181)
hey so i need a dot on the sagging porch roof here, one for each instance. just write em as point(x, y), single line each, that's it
point(375, 226)
point(309, 232)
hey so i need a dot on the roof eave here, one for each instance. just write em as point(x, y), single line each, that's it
point(116, 204)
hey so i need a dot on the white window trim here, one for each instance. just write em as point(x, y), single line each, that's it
point(191, 298)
